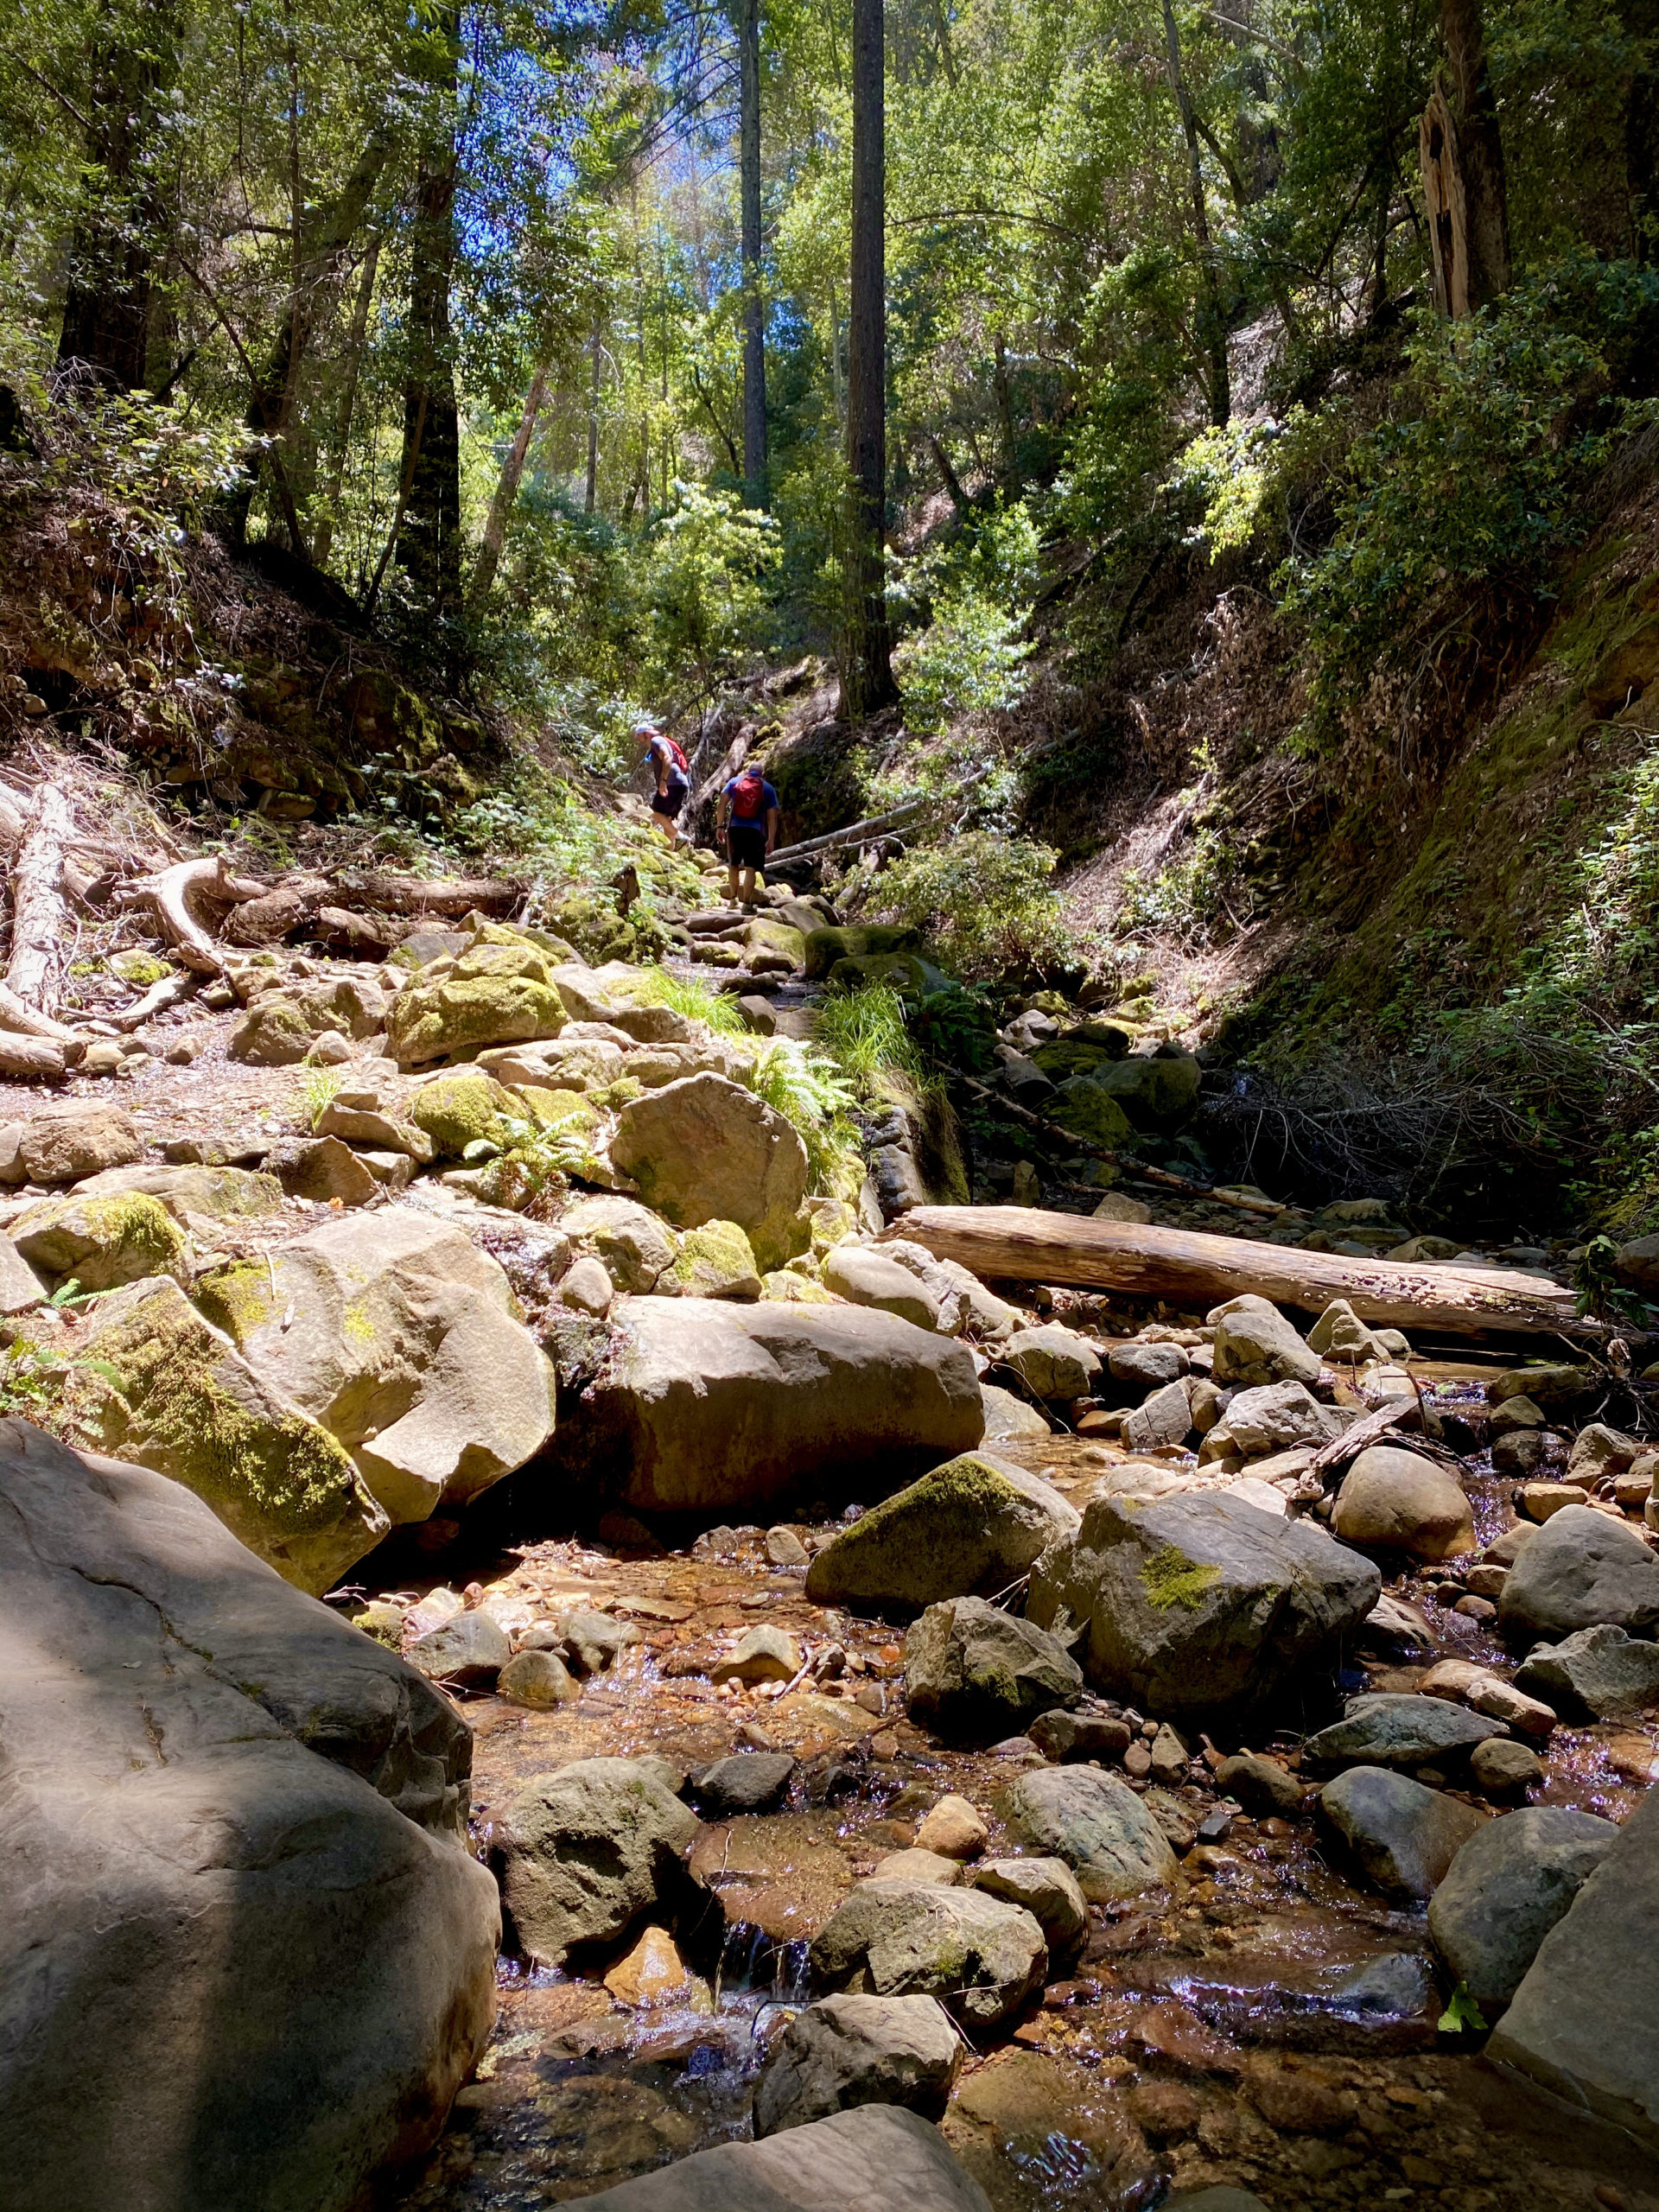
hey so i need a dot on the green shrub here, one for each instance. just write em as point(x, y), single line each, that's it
point(697, 1001)
point(866, 1034)
point(807, 1089)
point(986, 902)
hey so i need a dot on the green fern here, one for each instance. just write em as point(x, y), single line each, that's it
point(317, 1089)
point(527, 1162)
point(808, 1090)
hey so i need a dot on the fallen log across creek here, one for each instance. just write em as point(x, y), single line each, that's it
point(1019, 1244)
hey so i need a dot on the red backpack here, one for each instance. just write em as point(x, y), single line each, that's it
point(680, 760)
point(748, 796)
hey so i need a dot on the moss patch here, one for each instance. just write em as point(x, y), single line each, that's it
point(457, 1110)
point(103, 1242)
point(1169, 1578)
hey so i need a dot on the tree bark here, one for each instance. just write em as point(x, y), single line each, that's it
point(1476, 153)
point(590, 491)
point(37, 902)
point(867, 683)
point(340, 444)
point(754, 314)
point(1199, 1271)
point(1213, 321)
point(506, 491)
point(427, 547)
point(111, 257)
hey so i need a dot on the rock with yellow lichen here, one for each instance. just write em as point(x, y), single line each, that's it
point(1200, 1604)
point(102, 1241)
point(492, 994)
point(157, 1384)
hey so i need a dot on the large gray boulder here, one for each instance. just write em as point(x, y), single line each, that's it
point(980, 1957)
point(971, 1527)
point(1402, 1836)
point(1583, 1568)
point(1201, 1603)
point(1583, 2025)
point(706, 1405)
point(1276, 1416)
point(1395, 1500)
point(971, 1670)
point(247, 1957)
point(858, 2051)
point(589, 1850)
point(403, 1340)
point(1509, 1885)
point(1098, 1825)
point(878, 2158)
point(704, 1149)
point(1600, 1674)
point(1399, 1731)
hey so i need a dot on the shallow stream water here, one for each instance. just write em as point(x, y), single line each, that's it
point(1271, 2024)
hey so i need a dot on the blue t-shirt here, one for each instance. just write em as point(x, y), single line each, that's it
point(756, 821)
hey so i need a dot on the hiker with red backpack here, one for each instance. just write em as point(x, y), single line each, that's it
point(748, 818)
point(673, 775)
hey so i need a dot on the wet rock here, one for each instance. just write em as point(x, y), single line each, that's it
point(785, 1548)
point(703, 1149)
point(190, 1407)
point(1098, 1825)
point(1048, 1890)
point(1503, 1767)
point(1396, 1630)
point(1582, 1569)
point(845, 2051)
point(653, 1972)
point(1200, 1604)
point(748, 1782)
point(1225, 2199)
point(1599, 1674)
point(400, 1338)
point(1054, 1363)
point(955, 1828)
point(1261, 1785)
point(538, 1679)
point(589, 1850)
point(1582, 2025)
point(1508, 1886)
point(469, 1650)
point(1400, 1732)
point(1255, 1345)
point(1395, 1500)
point(1403, 1836)
point(585, 1287)
point(917, 1865)
point(876, 2156)
point(764, 1654)
point(1007, 1417)
point(704, 1405)
point(232, 1808)
point(971, 1527)
point(590, 1641)
point(972, 1670)
point(1028, 2122)
point(867, 1278)
point(980, 1957)
point(1068, 1736)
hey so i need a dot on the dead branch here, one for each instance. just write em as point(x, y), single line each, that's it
point(21, 1020)
point(169, 893)
point(32, 1056)
point(410, 894)
point(168, 992)
point(37, 902)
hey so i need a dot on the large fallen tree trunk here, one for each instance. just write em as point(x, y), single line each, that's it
point(170, 893)
point(1197, 1272)
point(411, 894)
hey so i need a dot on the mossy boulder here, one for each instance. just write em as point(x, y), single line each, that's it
point(1083, 1052)
point(456, 1111)
point(459, 1014)
point(703, 1149)
point(284, 1015)
point(275, 1032)
point(201, 1199)
point(715, 1260)
point(787, 1289)
point(598, 933)
point(188, 1405)
point(1088, 1111)
point(770, 944)
point(971, 1528)
point(102, 1241)
point(1159, 1094)
point(823, 948)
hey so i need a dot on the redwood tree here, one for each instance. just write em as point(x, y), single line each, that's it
point(867, 683)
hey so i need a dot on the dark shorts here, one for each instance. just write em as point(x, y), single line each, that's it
point(670, 802)
point(745, 841)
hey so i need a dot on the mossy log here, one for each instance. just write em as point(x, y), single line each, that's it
point(1197, 1272)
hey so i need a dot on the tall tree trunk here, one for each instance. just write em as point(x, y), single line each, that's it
point(754, 315)
point(111, 256)
point(506, 491)
point(340, 444)
point(428, 544)
point(867, 683)
point(1462, 153)
point(1212, 319)
point(1004, 391)
point(590, 493)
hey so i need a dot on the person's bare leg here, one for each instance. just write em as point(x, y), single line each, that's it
point(731, 885)
point(749, 899)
